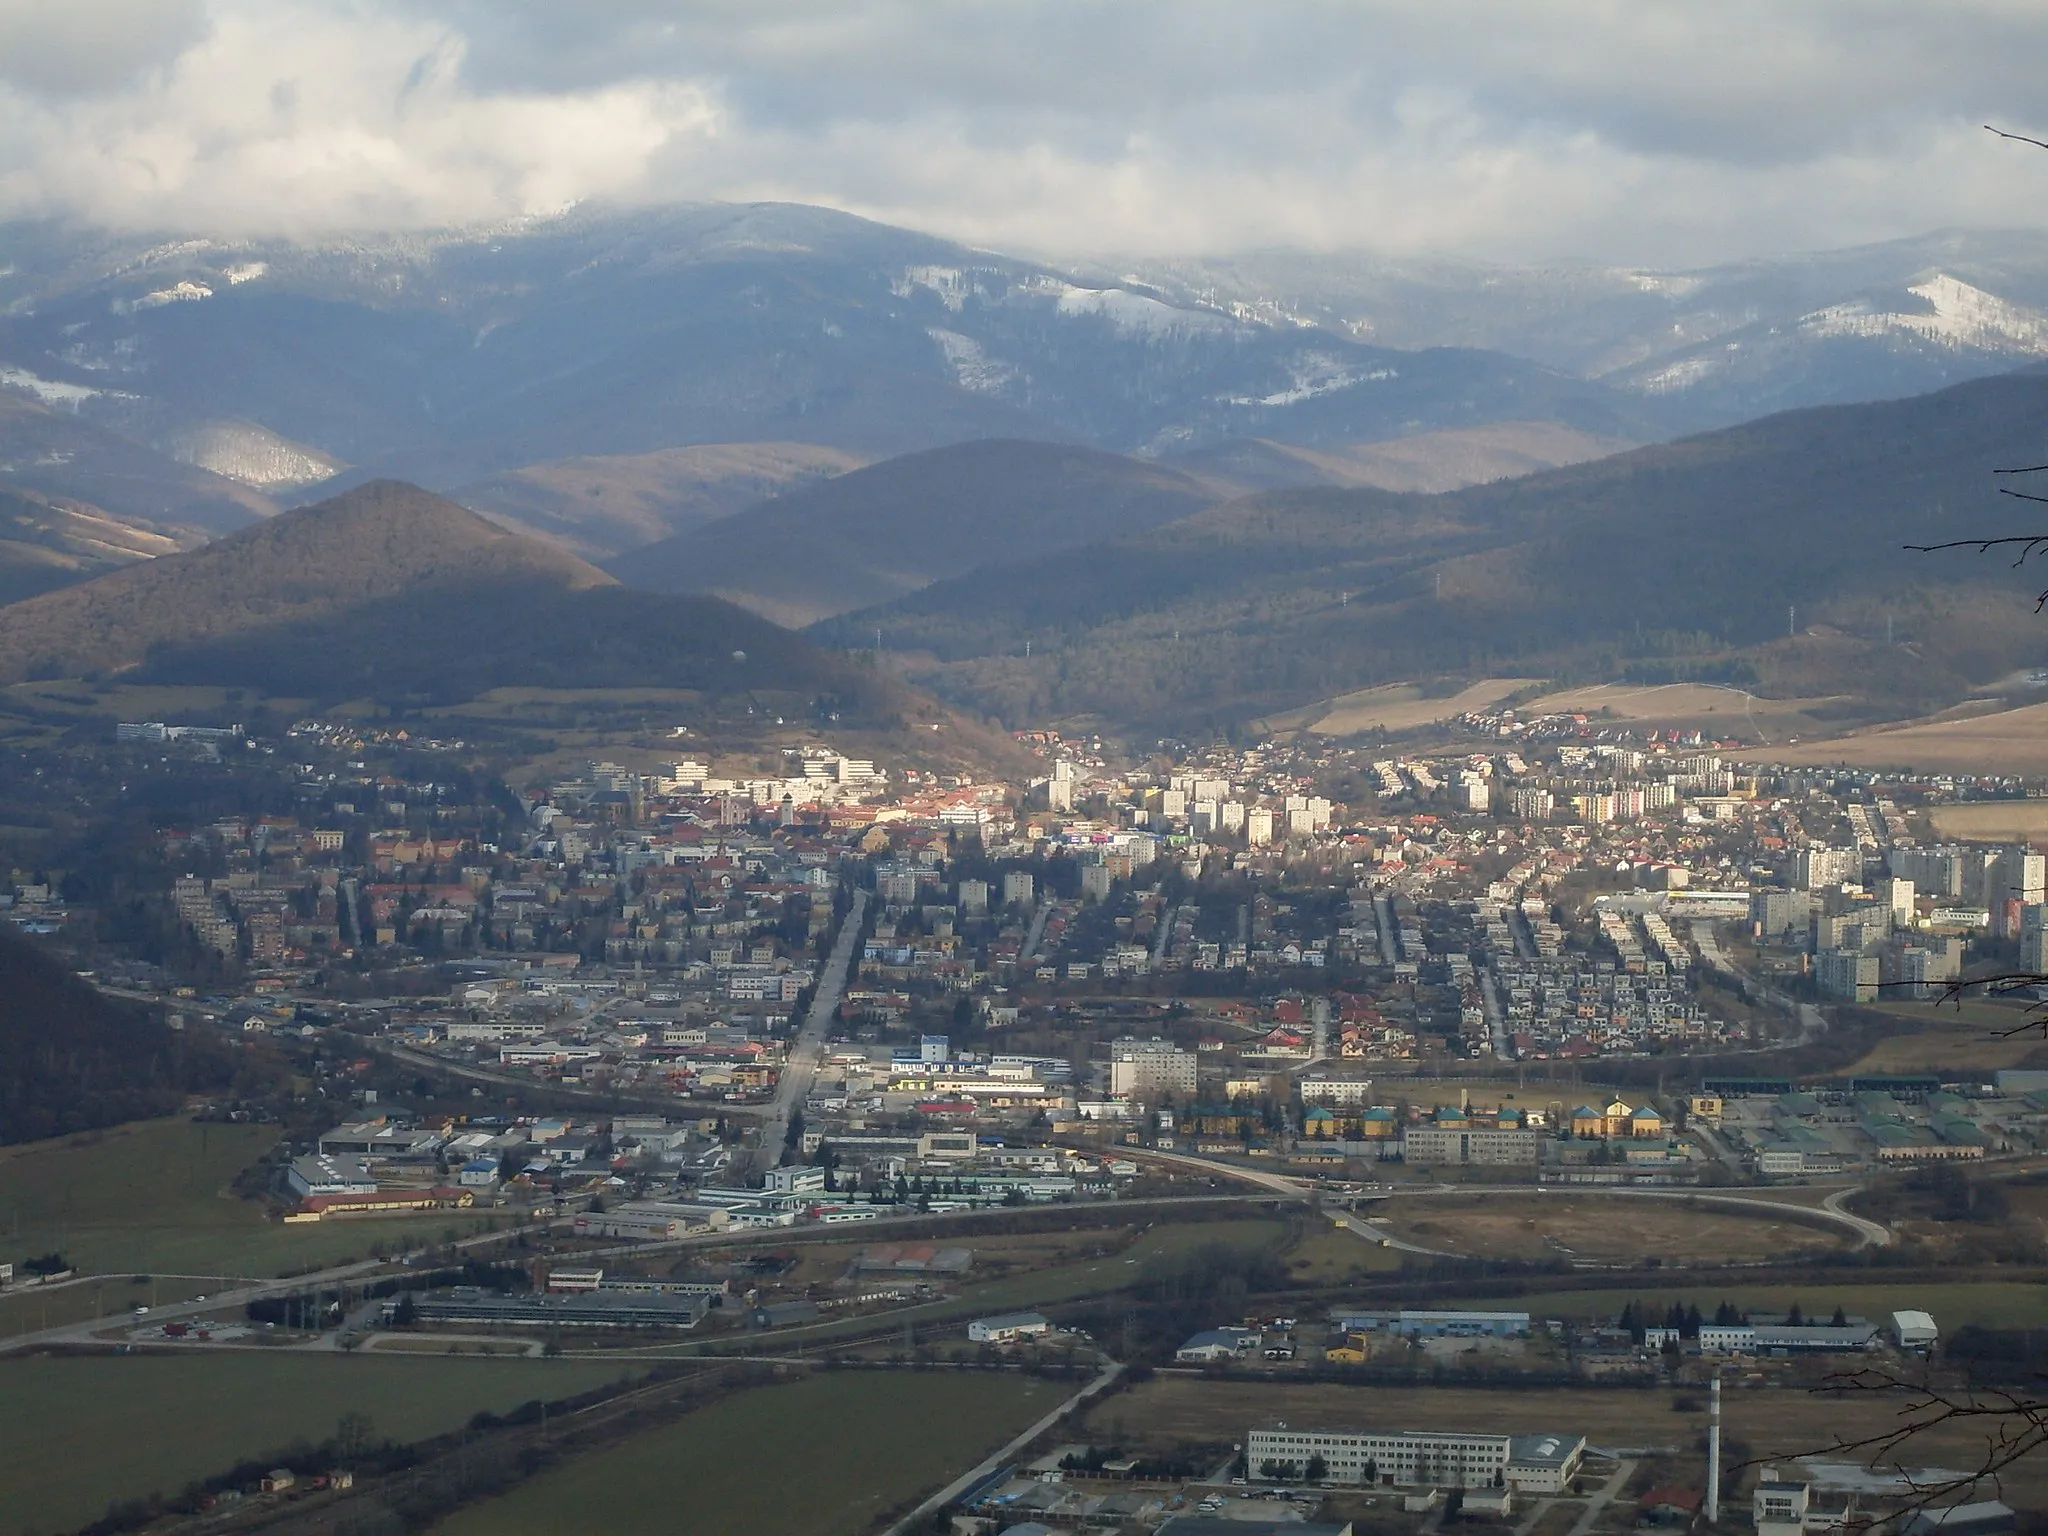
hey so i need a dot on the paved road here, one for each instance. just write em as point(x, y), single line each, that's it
point(995, 1459)
point(1037, 933)
point(1496, 1012)
point(232, 1300)
point(1601, 1499)
point(1372, 1234)
point(1278, 1183)
point(1162, 936)
point(807, 1051)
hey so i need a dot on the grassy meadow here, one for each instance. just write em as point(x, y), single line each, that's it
point(77, 1434)
point(865, 1441)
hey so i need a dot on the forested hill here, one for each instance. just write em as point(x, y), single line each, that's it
point(74, 1060)
point(1687, 559)
point(865, 537)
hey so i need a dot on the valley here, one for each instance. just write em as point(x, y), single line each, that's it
point(721, 863)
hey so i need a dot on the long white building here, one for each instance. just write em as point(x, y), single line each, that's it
point(1421, 1458)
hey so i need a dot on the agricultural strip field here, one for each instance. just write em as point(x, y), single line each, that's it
point(1768, 1421)
point(820, 1457)
point(79, 1433)
point(1974, 1034)
point(1397, 707)
point(2009, 741)
point(1991, 821)
point(1609, 1230)
point(154, 1197)
point(1993, 1304)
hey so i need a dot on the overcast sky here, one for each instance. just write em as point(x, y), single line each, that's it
point(1651, 131)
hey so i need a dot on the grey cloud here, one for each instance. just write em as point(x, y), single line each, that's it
point(90, 45)
point(1639, 130)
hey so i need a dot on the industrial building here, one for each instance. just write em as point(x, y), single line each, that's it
point(1415, 1458)
point(1470, 1144)
point(1008, 1327)
point(1413, 1324)
point(578, 1309)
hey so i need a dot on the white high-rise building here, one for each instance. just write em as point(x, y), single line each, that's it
point(1146, 1067)
point(2017, 878)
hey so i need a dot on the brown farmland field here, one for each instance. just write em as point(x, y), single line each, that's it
point(2009, 741)
point(1604, 1230)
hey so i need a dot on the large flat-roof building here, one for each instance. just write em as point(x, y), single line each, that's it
point(1415, 1323)
point(1470, 1144)
point(1409, 1458)
point(1140, 1068)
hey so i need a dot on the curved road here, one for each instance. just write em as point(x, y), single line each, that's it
point(1869, 1234)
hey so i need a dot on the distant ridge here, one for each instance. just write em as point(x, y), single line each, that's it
point(47, 542)
point(392, 593)
point(377, 541)
point(894, 527)
point(601, 506)
point(1686, 561)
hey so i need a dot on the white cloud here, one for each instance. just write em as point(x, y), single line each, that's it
point(293, 118)
point(1634, 130)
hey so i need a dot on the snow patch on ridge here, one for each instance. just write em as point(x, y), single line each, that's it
point(973, 369)
point(1962, 316)
point(52, 391)
point(1313, 374)
point(1136, 314)
point(185, 292)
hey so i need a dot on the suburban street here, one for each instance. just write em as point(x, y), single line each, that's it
point(807, 1050)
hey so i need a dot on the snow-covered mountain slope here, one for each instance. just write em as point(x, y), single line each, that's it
point(453, 356)
point(450, 357)
point(1713, 346)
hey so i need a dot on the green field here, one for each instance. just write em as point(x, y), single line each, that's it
point(820, 1457)
point(1993, 1304)
point(77, 1434)
point(1163, 1246)
point(154, 1198)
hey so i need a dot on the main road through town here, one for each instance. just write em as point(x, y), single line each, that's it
point(807, 1050)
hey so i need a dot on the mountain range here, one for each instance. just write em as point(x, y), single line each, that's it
point(456, 359)
point(1771, 555)
point(1193, 491)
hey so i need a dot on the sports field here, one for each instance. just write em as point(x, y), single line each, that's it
point(77, 1434)
point(819, 1457)
point(154, 1198)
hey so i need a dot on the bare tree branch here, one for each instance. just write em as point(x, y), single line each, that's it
point(2030, 543)
point(2017, 138)
point(2014, 1424)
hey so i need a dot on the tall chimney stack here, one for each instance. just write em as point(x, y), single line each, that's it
point(1714, 1450)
